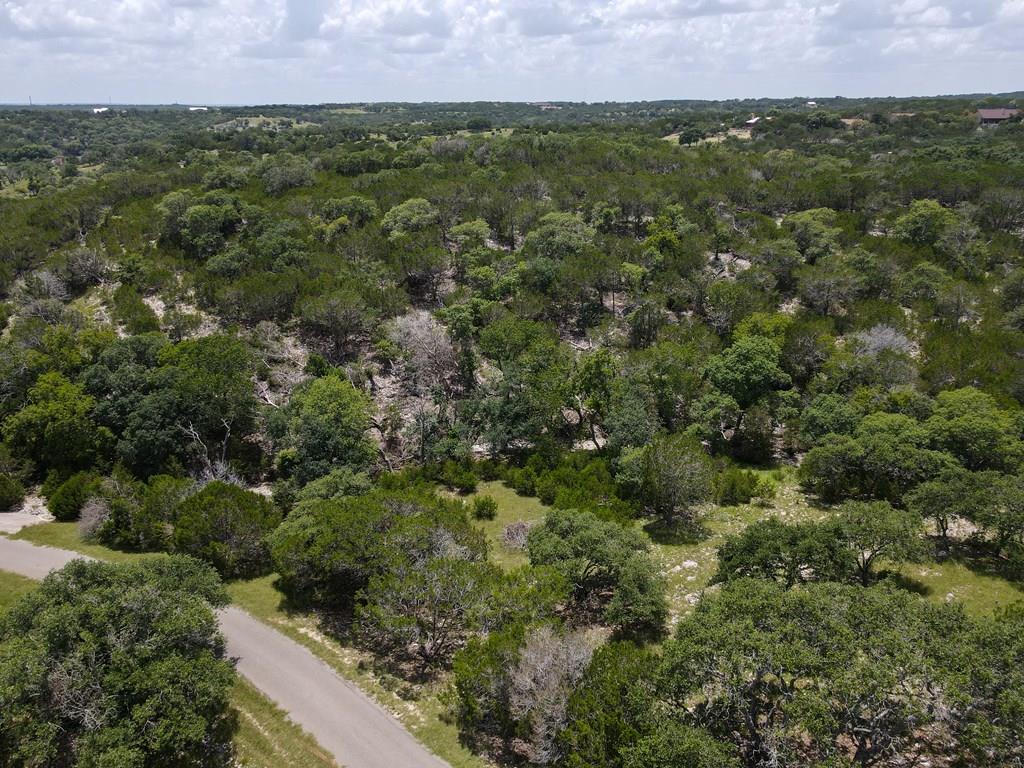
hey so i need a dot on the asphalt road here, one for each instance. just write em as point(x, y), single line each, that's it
point(351, 726)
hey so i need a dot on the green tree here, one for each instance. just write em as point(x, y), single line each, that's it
point(12, 492)
point(786, 554)
point(748, 370)
point(814, 233)
point(805, 676)
point(671, 745)
point(324, 428)
point(874, 530)
point(56, 429)
point(117, 665)
point(970, 425)
point(603, 562)
point(925, 222)
point(610, 710)
point(413, 215)
point(66, 501)
point(675, 477)
point(827, 414)
point(426, 610)
point(953, 496)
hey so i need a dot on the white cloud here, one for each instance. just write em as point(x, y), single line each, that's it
point(341, 50)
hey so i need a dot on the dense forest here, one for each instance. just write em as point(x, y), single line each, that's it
point(609, 436)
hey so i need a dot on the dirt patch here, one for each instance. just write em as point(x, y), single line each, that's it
point(31, 512)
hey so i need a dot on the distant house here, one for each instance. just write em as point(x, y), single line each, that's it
point(198, 109)
point(100, 110)
point(812, 103)
point(753, 121)
point(996, 116)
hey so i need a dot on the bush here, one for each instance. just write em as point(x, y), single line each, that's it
point(458, 476)
point(11, 493)
point(522, 480)
point(485, 508)
point(735, 486)
point(131, 311)
point(65, 503)
point(225, 525)
point(489, 470)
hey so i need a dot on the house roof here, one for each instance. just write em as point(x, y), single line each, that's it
point(997, 114)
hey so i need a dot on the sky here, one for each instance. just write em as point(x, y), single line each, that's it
point(313, 51)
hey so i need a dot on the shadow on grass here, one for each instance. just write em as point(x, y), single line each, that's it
point(980, 558)
point(903, 581)
point(676, 534)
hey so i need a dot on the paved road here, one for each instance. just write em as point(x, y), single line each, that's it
point(355, 729)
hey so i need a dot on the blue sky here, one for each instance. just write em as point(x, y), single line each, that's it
point(260, 51)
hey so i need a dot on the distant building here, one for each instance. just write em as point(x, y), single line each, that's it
point(100, 110)
point(996, 116)
point(753, 121)
point(198, 109)
point(812, 103)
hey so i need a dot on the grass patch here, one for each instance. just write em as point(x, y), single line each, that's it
point(953, 580)
point(689, 566)
point(66, 536)
point(512, 508)
point(266, 738)
point(12, 588)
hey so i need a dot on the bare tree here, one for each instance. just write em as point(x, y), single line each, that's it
point(882, 338)
point(430, 361)
point(550, 665)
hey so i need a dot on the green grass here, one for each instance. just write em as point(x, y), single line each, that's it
point(954, 580)
point(690, 565)
point(512, 508)
point(12, 587)
point(66, 536)
point(266, 738)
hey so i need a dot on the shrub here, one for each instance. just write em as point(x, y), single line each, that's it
point(489, 470)
point(485, 508)
point(458, 476)
point(734, 486)
point(65, 503)
point(225, 525)
point(523, 480)
point(11, 493)
point(132, 312)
